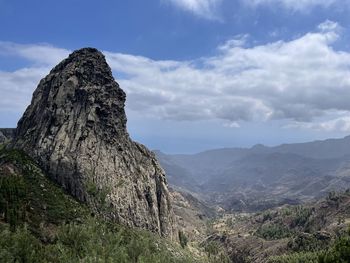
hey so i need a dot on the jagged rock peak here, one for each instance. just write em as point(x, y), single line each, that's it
point(83, 86)
point(75, 127)
point(87, 61)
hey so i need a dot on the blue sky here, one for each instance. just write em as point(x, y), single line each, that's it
point(198, 74)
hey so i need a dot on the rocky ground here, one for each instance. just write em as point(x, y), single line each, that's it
point(271, 235)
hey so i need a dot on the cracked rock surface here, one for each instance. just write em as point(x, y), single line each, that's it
point(75, 128)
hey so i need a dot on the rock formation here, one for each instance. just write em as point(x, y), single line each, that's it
point(75, 128)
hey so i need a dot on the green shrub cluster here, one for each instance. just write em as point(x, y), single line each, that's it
point(92, 241)
point(272, 231)
point(300, 215)
point(215, 253)
point(183, 239)
point(27, 194)
point(301, 257)
point(339, 252)
point(307, 242)
point(12, 200)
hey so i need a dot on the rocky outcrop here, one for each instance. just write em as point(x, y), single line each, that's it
point(75, 128)
point(6, 134)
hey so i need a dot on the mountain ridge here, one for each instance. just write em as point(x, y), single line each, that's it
point(261, 177)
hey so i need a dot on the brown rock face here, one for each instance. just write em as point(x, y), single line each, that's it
point(75, 127)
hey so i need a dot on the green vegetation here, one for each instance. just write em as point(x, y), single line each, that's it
point(97, 194)
point(271, 231)
point(300, 215)
point(183, 239)
point(39, 222)
point(283, 223)
point(27, 195)
point(268, 215)
point(91, 241)
point(215, 253)
point(301, 257)
point(12, 200)
point(339, 252)
point(307, 242)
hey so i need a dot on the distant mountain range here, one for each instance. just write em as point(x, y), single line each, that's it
point(261, 177)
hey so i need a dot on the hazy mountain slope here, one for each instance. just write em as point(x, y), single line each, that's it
point(330, 148)
point(259, 181)
point(178, 176)
point(6, 134)
point(261, 177)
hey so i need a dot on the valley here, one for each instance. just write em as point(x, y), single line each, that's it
point(261, 177)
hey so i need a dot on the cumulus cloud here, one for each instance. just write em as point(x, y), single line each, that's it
point(301, 80)
point(299, 5)
point(16, 88)
point(203, 8)
point(42, 54)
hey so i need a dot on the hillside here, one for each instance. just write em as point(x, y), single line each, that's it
point(314, 232)
point(40, 222)
point(6, 134)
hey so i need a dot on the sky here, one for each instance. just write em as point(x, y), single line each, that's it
point(198, 74)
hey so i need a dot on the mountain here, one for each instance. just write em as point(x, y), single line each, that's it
point(322, 149)
point(6, 134)
point(262, 177)
point(75, 129)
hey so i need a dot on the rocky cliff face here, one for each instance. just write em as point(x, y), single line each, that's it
point(75, 128)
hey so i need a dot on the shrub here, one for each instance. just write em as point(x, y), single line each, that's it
point(301, 257)
point(92, 241)
point(273, 231)
point(12, 199)
point(301, 216)
point(183, 239)
point(339, 252)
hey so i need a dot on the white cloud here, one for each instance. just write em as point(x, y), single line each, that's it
point(295, 5)
point(16, 88)
point(43, 54)
point(203, 8)
point(300, 80)
point(329, 26)
point(231, 125)
point(338, 124)
point(237, 41)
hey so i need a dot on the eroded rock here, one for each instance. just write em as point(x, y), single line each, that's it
point(75, 128)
